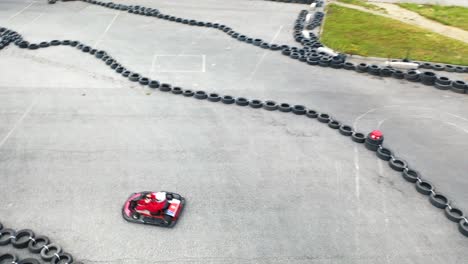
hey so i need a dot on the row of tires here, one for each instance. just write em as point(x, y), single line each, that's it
point(13, 259)
point(442, 67)
point(301, 24)
point(310, 55)
point(41, 245)
point(310, 42)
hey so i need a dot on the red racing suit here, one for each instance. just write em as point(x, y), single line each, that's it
point(152, 206)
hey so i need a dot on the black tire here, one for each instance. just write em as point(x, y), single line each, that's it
point(36, 245)
point(58, 257)
point(6, 235)
point(459, 84)
point(126, 73)
point(135, 216)
point(386, 72)
point(424, 187)
point(47, 253)
point(412, 76)
point(453, 214)
point(9, 257)
point(213, 97)
point(177, 90)
point(463, 227)
point(428, 78)
point(345, 130)
point(134, 77)
point(312, 113)
point(323, 118)
point(334, 124)
point(362, 67)
point(457, 90)
point(241, 101)
point(398, 74)
point(119, 69)
point(256, 103)
point(143, 81)
point(99, 54)
point(201, 95)
point(449, 68)
point(398, 164)
point(299, 110)
point(227, 99)
point(384, 154)
point(153, 84)
point(188, 93)
point(55, 42)
point(374, 70)
point(438, 67)
point(270, 105)
point(33, 46)
point(349, 66)
point(358, 137)
point(44, 44)
point(443, 80)
point(19, 240)
point(284, 107)
point(442, 86)
point(165, 87)
point(29, 261)
point(439, 200)
point(411, 175)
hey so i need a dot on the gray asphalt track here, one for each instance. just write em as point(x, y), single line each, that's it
point(262, 187)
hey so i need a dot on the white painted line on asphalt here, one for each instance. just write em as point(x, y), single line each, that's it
point(21, 11)
point(204, 63)
point(264, 55)
point(153, 62)
point(28, 110)
point(106, 30)
point(357, 173)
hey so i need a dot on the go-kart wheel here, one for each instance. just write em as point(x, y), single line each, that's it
point(136, 216)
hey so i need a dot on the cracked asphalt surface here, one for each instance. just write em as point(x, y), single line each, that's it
point(262, 187)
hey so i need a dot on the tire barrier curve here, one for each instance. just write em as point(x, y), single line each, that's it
point(41, 245)
point(309, 52)
point(384, 153)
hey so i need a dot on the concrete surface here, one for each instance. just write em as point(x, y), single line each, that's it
point(262, 187)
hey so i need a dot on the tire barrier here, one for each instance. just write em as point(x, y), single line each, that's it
point(422, 186)
point(307, 54)
point(41, 245)
point(13, 259)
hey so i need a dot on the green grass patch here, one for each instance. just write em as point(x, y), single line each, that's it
point(356, 32)
point(456, 16)
point(363, 3)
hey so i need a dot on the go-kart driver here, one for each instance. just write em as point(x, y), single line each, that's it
point(152, 203)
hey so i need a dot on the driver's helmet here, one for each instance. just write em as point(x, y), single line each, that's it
point(160, 196)
point(148, 197)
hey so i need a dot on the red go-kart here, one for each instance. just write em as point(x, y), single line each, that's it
point(165, 218)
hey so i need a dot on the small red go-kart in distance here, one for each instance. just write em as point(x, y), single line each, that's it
point(153, 208)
